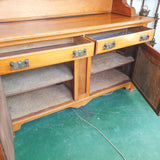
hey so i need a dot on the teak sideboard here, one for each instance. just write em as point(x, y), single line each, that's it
point(60, 54)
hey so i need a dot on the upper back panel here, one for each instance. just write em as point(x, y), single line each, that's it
point(33, 9)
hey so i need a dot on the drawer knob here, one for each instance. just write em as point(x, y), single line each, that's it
point(80, 53)
point(110, 45)
point(144, 38)
point(19, 64)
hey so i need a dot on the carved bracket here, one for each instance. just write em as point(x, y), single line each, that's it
point(122, 7)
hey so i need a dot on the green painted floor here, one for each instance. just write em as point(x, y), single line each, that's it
point(125, 118)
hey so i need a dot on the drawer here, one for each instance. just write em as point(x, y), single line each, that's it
point(107, 41)
point(29, 56)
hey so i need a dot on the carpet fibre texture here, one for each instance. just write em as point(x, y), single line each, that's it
point(125, 118)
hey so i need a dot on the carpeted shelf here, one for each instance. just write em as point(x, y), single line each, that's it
point(106, 79)
point(108, 61)
point(34, 101)
point(37, 78)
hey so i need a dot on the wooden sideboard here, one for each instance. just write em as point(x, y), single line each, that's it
point(52, 59)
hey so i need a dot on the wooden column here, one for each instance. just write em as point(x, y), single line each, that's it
point(82, 72)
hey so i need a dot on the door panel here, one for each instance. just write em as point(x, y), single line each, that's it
point(146, 75)
point(6, 133)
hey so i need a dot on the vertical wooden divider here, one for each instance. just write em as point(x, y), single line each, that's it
point(82, 73)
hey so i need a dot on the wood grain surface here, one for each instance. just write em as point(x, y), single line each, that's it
point(48, 56)
point(122, 7)
point(121, 41)
point(146, 75)
point(6, 133)
point(82, 72)
point(40, 30)
point(31, 9)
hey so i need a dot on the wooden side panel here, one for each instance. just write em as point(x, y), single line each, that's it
point(31, 9)
point(6, 133)
point(146, 75)
point(122, 7)
point(82, 72)
point(2, 156)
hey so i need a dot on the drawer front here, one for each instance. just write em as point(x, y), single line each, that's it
point(32, 60)
point(109, 44)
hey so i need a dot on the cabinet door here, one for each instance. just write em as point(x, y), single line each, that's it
point(146, 75)
point(6, 133)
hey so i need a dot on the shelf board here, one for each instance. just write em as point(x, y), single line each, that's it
point(108, 61)
point(29, 80)
point(32, 102)
point(106, 79)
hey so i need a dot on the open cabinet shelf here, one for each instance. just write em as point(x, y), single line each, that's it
point(108, 61)
point(106, 79)
point(29, 80)
point(34, 101)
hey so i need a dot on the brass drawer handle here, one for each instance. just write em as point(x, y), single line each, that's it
point(144, 38)
point(79, 53)
point(110, 45)
point(19, 64)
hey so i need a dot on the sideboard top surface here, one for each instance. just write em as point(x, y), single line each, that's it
point(22, 31)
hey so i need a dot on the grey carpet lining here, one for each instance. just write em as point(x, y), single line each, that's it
point(30, 102)
point(106, 79)
point(109, 60)
point(32, 79)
